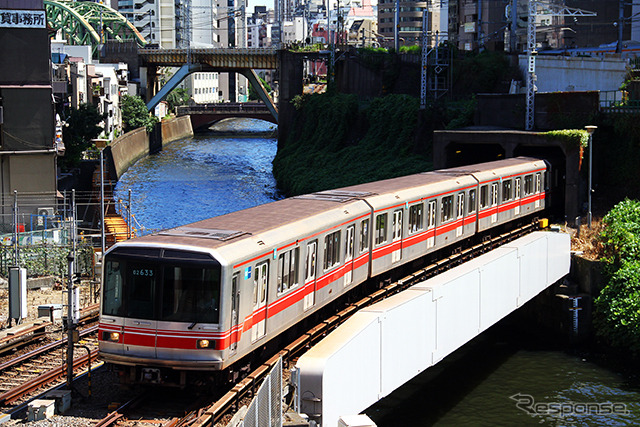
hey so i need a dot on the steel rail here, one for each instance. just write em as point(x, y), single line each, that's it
point(249, 384)
point(51, 375)
point(45, 348)
point(114, 416)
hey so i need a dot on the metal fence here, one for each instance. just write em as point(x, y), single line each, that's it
point(266, 407)
point(39, 230)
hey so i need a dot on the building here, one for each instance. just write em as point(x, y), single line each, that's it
point(410, 22)
point(28, 154)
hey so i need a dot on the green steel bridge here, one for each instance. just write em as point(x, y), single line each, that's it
point(89, 23)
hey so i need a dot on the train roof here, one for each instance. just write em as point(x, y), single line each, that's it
point(217, 231)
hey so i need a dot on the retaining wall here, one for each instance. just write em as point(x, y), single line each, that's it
point(127, 149)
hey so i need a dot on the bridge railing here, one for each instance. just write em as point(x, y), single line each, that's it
point(246, 108)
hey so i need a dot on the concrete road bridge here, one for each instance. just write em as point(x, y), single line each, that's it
point(204, 115)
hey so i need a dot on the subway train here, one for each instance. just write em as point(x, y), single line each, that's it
point(201, 297)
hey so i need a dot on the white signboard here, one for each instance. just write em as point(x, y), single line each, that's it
point(23, 19)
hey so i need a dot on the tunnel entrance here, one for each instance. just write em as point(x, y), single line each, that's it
point(556, 177)
point(461, 154)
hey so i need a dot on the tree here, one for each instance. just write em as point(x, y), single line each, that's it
point(82, 125)
point(253, 94)
point(178, 96)
point(135, 114)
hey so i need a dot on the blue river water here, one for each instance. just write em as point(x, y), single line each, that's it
point(202, 177)
point(501, 379)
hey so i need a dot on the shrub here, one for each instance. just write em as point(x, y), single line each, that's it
point(617, 308)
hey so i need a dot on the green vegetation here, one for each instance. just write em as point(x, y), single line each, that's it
point(177, 97)
point(617, 309)
point(577, 137)
point(135, 114)
point(253, 95)
point(337, 141)
point(82, 125)
point(47, 259)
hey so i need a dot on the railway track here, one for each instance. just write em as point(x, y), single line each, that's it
point(24, 375)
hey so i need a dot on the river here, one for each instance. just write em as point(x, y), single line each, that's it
point(500, 379)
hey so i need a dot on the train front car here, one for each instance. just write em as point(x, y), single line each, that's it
point(161, 309)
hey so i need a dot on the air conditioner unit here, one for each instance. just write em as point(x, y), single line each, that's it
point(46, 212)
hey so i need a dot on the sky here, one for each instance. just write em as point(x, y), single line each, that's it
point(251, 4)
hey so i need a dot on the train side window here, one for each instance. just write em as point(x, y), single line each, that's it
point(381, 229)
point(288, 270)
point(332, 250)
point(472, 201)
point(494, 194)
point(484, 196)
point(538, 182)
point(528, 185)
point(415, 217)
point(460, 205)
point(364, 235)
point(506, 190)
point(431, 220)
point(310, 262)
point(447, 209)
point(517, 193)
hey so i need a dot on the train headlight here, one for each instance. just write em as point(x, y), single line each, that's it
point(111, 336)
point(205, 344)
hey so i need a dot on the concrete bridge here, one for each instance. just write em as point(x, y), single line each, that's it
point(242, 61)
point(204, 115)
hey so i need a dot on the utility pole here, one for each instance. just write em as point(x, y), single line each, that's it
point(70, 323)
point(620, 25)
point(531, 64)
point(513, 37)
point(425, 56)
point(531, 53)
point(396, 27)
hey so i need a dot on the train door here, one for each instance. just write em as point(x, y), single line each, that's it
point(460, 215)
point(260, 282)
point(538, 188)
point(431, 224)
point(310, 275)
point(235, 303)
point(348, 255)
point(494, 201)
point(396, 255)
point(517, 196)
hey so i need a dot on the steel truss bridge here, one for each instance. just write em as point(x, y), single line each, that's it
point(88, 23)
point(240, 60)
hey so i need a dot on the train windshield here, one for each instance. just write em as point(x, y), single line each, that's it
point(175, 286)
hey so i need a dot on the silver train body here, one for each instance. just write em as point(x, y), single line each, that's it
point(202, 296)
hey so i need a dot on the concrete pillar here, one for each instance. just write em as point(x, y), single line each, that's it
point(289, 85)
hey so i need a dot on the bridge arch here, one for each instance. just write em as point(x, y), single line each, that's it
point(80, 23)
